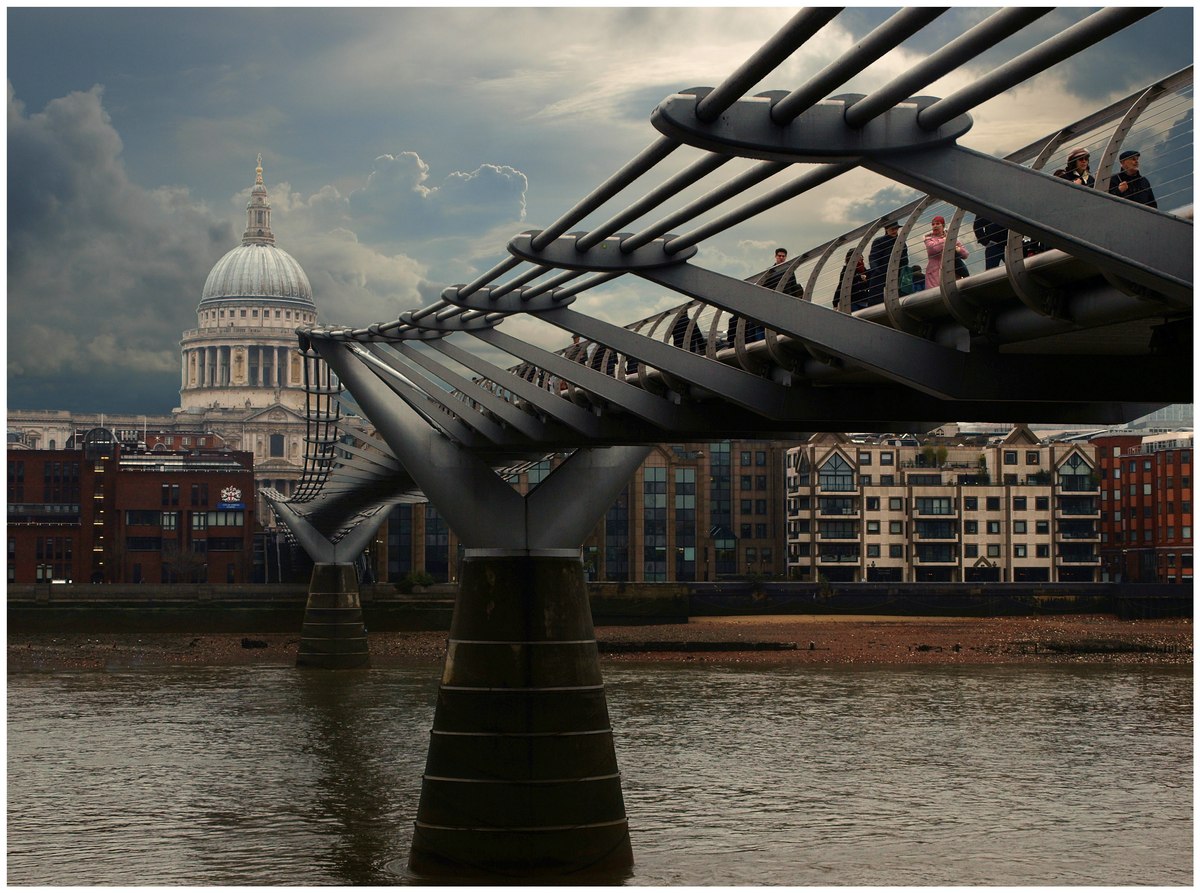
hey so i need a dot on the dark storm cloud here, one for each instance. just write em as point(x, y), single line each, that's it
point(102, 275)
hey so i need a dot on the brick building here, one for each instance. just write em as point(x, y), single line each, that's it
point(102, 515)
point(1146, 506)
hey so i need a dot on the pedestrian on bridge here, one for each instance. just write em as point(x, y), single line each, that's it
point(935, 244)
point(1077, 171)
point(993, 237)
point(1129, 182)
point(881, 254)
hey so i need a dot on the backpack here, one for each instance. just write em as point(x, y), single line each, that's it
point(906, 283)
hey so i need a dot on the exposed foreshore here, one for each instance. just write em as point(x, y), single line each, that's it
point(792, 639)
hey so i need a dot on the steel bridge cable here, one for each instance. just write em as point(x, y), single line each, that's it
point(809, 180)
point(554, 282)
point(598, 279)
point(959, 51)
point(802, 26)
point(726, 191)
point(887, 36)
point(1062, 46)
point(644, 161)
point(676, 184)
point(491, 275)
point(501, 290)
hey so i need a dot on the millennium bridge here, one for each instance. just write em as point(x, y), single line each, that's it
point(1079, 311)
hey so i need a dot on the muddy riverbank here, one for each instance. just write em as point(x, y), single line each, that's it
point(815, 639)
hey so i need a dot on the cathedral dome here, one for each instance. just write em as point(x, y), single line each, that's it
point(256, 269)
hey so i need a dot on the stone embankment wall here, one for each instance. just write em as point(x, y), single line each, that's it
point(280, 607)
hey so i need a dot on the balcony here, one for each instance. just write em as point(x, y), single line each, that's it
point(837, 508)
point(845, 554)
point(1077, 556)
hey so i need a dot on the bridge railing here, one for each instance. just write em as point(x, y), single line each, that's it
point(1156, 121)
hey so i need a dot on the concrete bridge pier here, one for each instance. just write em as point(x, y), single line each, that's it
point(521, 778)
point(333, 636)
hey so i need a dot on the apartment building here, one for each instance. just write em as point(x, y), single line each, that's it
point(903, 509)
point(1146, 506)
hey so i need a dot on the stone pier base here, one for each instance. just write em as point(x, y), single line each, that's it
point(333, 636)
point(521, 779)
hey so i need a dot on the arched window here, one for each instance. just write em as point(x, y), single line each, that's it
point(836, 474)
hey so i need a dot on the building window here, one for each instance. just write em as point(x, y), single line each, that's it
point(1018, 503)
point(896, 527)
point(1019, 551)
point(970, 503)
point(993, 527)
point(887, 480)
point(895, 551)
point(993, 551)
point(1010, 457)
point(895, 503)
point(864, 458)
point(170, 520)
point(993, 503)
point(1042, 550)
point(760, 506)
point(760, 458)
point(1019, 527)
point(971, 550)
point(745, 458)
point(1031, 457)
point(872, 503)
point(873, 550)
point(885, 459)
point(1043, 527)
point(970, 527)
point(276, 445)
point(872, 527)
point(836, 474)
point(1041, 503)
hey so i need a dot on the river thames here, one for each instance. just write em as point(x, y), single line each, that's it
point(826, 776)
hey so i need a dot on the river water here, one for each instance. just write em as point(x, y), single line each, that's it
point(797, 776)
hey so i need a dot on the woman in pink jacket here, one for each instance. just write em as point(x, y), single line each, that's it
point(935, 242)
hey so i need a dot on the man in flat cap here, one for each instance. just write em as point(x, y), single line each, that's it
point(880, 254)
point(1129, 182)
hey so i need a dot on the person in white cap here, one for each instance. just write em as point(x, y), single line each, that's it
point(1077, 168)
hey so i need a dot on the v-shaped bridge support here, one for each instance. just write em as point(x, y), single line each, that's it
point(522, 774)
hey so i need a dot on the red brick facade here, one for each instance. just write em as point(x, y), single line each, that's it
point(129, 518)
point(1146, 517)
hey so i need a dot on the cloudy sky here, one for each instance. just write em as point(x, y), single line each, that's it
point(402, 148)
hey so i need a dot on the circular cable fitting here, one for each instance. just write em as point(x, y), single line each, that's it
point(819, 134)
point(603, 257)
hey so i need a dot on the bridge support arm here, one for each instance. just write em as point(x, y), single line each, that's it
point(1123, 237)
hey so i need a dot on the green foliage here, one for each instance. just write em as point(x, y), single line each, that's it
point(409, 581)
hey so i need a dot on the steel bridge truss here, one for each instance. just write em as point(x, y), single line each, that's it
point(1096, 328)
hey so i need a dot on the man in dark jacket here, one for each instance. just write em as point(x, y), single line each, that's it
point(993, 237)
point(881, 253)
point(1129, 182)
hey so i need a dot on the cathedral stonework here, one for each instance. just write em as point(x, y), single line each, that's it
point(241, 370)
point(242, 354)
